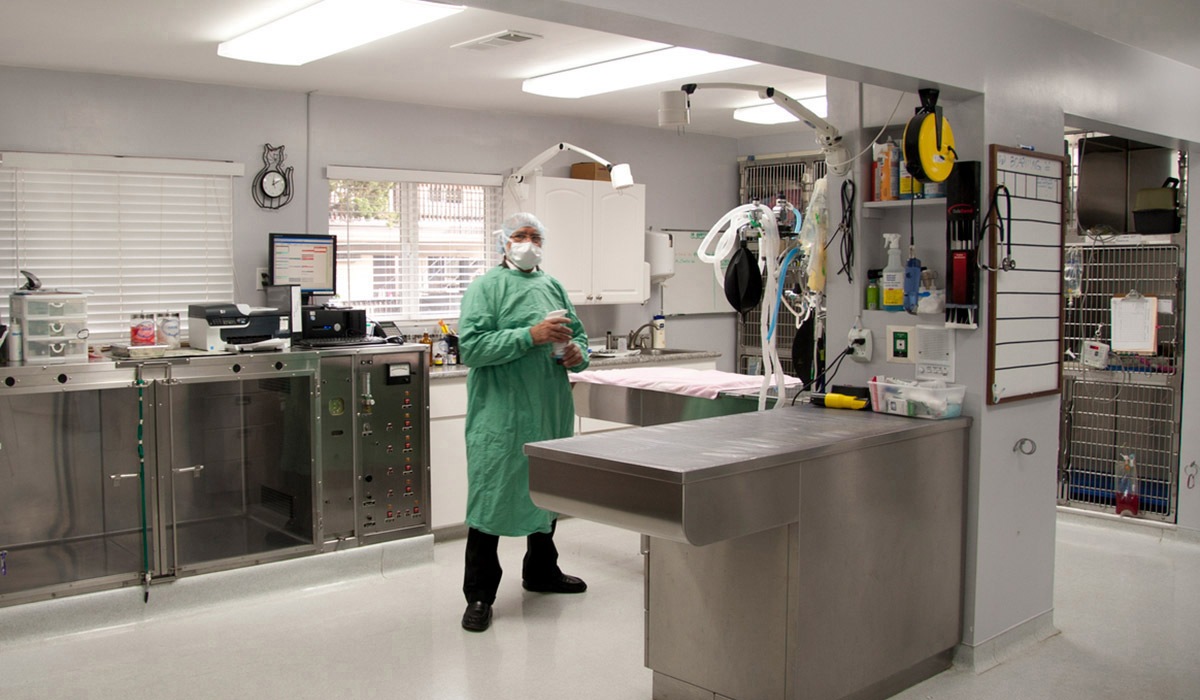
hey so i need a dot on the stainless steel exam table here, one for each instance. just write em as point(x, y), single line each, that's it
point(794, 553)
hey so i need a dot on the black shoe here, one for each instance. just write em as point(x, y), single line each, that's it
point(558, 584)
point(478, 617)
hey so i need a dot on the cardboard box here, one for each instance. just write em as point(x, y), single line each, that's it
point(590, 171)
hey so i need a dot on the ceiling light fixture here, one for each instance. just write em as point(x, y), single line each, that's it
point(631, 71)
point(329, 27)
point(771, 113)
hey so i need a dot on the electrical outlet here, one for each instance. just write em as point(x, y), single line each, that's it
point(901, 344)
point(860, 344)
point(262, 277)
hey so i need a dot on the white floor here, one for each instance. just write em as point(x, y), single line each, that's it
point(1127, 605)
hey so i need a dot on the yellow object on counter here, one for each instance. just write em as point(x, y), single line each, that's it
point(838, 401)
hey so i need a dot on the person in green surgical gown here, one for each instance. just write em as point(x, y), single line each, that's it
point(517, 392)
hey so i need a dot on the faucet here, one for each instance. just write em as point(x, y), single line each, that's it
point(636, 339)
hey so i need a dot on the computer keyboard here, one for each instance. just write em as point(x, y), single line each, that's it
point(340, 342)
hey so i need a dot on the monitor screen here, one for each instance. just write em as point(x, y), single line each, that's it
point(306, 260)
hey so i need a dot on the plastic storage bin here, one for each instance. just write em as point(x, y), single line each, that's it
point(49, 305)
point(54, 326)
point(56, 350)
point(934, 400)
point(45, 328)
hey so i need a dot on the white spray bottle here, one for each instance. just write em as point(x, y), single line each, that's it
point(893, 275)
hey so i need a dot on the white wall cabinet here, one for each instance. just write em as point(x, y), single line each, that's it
point(596, 245)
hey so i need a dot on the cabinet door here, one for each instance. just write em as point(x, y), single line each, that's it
point(448, 451)
point(619, 245)
point(448, 464)
point(564, 207)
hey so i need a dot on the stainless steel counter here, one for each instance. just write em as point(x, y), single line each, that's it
point(702, 481)
point(114, 473)
point(799, 553)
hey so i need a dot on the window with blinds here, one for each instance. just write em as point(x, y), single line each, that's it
point(407, 249)
point(141, 235)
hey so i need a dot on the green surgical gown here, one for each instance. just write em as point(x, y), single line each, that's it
point(516, 393)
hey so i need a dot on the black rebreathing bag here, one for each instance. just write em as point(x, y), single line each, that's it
point(743, 280)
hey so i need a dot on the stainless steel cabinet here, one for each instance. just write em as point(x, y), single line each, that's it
point(112, 475)
point(119, 474)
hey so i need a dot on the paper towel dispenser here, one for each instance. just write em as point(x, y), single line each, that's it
point(660, 253)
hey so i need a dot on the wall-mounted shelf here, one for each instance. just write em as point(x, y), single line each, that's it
point(894, 203)
point(874, 210)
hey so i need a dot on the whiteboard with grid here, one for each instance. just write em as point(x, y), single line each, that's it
point(1025, 340)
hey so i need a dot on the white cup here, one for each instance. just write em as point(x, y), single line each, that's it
point(559, 348)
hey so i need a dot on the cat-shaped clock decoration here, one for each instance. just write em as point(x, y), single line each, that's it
point(272, 186)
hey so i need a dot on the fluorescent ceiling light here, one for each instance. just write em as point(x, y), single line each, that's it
point(771, 113)
point(329, 27)
point(632, 71)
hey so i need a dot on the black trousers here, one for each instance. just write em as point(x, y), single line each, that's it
point(481, 577)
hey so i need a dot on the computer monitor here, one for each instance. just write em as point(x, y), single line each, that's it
point(307, 260)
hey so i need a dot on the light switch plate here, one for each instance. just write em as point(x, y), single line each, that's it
point(902, 344)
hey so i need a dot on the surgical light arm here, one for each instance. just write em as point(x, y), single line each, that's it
point(830, 140)
point(620, 173)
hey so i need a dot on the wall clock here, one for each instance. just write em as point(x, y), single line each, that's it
point(272, 186)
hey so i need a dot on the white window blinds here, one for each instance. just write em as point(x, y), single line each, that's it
point(143, 235)
point(410, 242)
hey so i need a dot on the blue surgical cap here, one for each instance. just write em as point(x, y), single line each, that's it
point(515, 223)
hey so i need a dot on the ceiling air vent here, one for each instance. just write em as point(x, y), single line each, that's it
point(497, 40)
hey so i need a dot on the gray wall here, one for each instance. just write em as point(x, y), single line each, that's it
point(690, 180)
point(1033, 72)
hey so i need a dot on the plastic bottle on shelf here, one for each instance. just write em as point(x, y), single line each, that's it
point(892, 284)
point(15, 352)
point(873, 289)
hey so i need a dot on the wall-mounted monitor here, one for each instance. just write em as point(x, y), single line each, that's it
point(307, 260)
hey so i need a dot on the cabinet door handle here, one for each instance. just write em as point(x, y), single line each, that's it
point(195, 469)
point(116, 478)
point(599, 297)
point(589, 297)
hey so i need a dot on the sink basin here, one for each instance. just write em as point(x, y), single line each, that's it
point(656, 352)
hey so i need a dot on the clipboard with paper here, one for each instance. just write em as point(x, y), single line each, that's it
point(1134, 323)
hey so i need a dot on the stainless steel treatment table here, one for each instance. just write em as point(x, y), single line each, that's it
point(794, 553)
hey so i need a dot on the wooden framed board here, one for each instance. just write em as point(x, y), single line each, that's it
point(1025, 346)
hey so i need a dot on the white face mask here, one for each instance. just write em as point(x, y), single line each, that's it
point(525, 255)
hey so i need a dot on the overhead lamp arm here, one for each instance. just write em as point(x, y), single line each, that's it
point(829, 139)
point(620, 173)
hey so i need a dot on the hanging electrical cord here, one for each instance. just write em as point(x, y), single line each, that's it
point(846, 229)
point(886, 123)
point(1003, 227)
point(835, 365)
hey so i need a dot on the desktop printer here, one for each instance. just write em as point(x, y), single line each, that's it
point(240, 327)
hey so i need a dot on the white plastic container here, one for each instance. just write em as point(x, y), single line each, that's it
point(15, 342)
point(46, 328)
point(933, 400)
point(559, 348)
point(54, 326)
point(658, 332)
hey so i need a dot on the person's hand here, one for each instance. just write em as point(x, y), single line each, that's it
point(572, 356)
point(552, 330)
